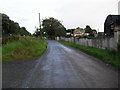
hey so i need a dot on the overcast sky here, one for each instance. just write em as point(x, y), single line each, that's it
point(71, 13)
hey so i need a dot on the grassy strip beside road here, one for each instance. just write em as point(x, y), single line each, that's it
point(26, 47)
point(110, 57)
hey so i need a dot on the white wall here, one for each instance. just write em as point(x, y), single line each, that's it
point(103, 43)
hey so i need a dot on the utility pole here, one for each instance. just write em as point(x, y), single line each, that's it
point(119, 8)
point(40, 25)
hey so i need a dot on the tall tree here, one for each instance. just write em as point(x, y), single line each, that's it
point(5, 24)
point(88, 29)
point(23, 32)
point(91, 31)
point(69, 32)
point(53, 28)
point(37, 32)
point(9, 27)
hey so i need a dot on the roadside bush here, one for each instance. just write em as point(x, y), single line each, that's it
point(26, 47)
point(7, 39)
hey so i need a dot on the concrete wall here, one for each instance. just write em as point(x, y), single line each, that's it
point(103, 43)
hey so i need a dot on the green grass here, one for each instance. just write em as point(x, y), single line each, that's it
point(0, 53)
point(110, 57)
point(26, 47)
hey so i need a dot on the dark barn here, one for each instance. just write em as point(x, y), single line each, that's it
point(111, 22)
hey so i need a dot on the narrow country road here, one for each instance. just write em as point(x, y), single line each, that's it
point(59, 67)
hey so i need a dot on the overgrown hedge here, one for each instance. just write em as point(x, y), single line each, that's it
point(7, 39)
point(26, 47)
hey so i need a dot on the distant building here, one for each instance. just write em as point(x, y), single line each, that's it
point(78, 32)
point(111, 22)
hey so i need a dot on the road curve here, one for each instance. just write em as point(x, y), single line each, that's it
point(60, 67)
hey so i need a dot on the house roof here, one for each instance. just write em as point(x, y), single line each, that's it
point(112, 19)
point(79, 31)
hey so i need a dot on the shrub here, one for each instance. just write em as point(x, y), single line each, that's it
point(7, 39)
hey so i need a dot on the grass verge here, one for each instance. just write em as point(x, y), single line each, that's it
point(110, 57)
point(26, 47)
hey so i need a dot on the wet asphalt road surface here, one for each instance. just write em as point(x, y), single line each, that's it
point(59, 67)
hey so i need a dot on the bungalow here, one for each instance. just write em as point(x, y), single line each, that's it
point(78, 32)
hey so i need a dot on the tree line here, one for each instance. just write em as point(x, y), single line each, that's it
point(87, 29)
point(9, 27)
point(51, 28)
